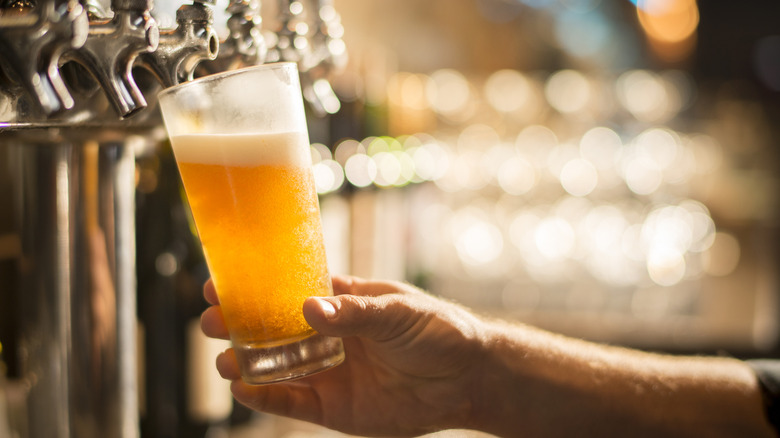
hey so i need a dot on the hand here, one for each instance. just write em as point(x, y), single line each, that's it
point(410, 363)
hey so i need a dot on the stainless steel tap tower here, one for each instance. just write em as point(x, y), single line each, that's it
point(77, 87)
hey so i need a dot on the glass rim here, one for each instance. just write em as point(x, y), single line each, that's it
point(225, 74)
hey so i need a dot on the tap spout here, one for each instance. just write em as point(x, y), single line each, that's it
point(180, 50)
point(31, 44)
point(245, 44)
point(113, 46)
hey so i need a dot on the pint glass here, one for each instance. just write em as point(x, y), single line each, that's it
point(242, 148)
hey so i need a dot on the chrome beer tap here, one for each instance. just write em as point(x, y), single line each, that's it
point(245, 44)
point(70, 178)
point(326, 45)
point(180, 50)
point(113, 46)
point(317, 52)
point(325, 54)
point(31, 44)
point(290, 36)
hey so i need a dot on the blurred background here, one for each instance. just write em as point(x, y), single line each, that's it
point(602, 169)
point(597, 168)
point(606, 170)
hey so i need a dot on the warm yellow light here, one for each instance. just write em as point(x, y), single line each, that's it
point(669, 21)
point(413, 91)
point(568, 91)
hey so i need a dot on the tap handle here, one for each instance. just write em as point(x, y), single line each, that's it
point(245, 44)
point(113, 46)
point(31, 43)
point(76, 16)
point(196, 22)
point(183, 48)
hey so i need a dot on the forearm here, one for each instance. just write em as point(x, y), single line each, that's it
point(548, 385)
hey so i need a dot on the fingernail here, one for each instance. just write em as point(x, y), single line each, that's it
point(327, 308)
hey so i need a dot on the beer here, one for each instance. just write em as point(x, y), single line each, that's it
point(253, 200)
point(241, 142)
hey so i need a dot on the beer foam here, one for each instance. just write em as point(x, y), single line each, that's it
point(284, 148)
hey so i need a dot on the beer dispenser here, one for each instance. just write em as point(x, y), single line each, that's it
point(77, 112)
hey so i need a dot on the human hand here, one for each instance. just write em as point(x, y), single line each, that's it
point(411, 362)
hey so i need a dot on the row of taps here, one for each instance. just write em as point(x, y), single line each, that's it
point(57, 55)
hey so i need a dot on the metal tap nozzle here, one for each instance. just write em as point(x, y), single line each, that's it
point(180, 50)
point(245, 44)
point(111, 49)
point(31, 44)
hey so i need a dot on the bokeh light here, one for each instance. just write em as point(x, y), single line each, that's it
point(578, 177)
point(600, 146)
point(668, 21)
point(550, 203)
point(645, 95)
point(568, 91)
point(477, 240)
point(449, 93)
point(508, 91)
point(360, 170)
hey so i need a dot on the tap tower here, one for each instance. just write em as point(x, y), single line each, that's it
point(78, 80)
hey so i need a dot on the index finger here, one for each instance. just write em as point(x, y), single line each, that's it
point(210, 292)
point(347, 284)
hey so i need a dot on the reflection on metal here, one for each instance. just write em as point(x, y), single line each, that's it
point(244, 45)
point(73, 205)
point(182, 49)
point(31, 44)
point(111, 48)
point(311, 37)
point(77, 92)
point(61, 68)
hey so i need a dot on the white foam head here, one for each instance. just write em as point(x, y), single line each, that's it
point(264, 98)
point(278, 149)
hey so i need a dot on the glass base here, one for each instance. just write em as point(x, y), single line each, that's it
point(261, 365)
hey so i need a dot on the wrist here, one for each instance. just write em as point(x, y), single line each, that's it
point(497, 392)
point(535, 381)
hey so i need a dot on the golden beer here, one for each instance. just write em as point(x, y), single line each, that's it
point(241, 144)
point(259, 223)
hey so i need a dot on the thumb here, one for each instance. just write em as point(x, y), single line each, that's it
point(378, 318)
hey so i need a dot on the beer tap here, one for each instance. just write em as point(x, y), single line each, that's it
point(113, 46)
point(290, 36)
point(316, 54)
point(326, 53)
point(32, 41)
point(180, 50)
point(245, 44)
point(328, 48)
